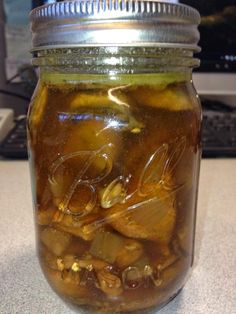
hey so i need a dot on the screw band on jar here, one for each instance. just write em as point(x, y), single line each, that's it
point(115, 23)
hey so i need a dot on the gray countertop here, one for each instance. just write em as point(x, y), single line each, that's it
point(210, 290)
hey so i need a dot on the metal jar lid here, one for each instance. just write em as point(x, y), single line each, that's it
point(90, 23)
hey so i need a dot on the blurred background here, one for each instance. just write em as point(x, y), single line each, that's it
point(215, 80)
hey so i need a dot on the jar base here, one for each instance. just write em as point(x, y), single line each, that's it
point(86, 309)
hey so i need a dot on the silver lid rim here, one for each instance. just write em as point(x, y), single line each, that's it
point(97, 9)
point(93, 23)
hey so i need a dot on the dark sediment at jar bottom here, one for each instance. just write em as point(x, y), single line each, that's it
point(84, 309)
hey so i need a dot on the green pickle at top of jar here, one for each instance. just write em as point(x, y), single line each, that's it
point(115, 164)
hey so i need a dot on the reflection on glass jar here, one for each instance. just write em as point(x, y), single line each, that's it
point(114, 152)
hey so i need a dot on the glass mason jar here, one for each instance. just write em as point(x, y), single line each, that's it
point(114, 147)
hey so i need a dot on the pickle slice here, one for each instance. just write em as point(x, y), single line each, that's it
point(169, 97)
point(91, 100)
point(152, 219)
point(114, 248)
point(109, 104)
point(99, 141)
point(44, 217)
point(131, 251)
point(80, 227)
point(106, 246)
point(55, 240)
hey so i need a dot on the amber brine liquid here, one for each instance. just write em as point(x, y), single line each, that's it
point(115, 175)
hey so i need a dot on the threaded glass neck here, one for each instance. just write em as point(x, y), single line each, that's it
point(115, 60)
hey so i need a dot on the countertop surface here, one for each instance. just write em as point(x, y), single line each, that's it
point(211, 288)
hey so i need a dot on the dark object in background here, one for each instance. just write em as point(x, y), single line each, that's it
point(219, 129)
point(215, 105)
point(15, 144)
point(217, 29)
point(38, 3)
point(28, 76)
